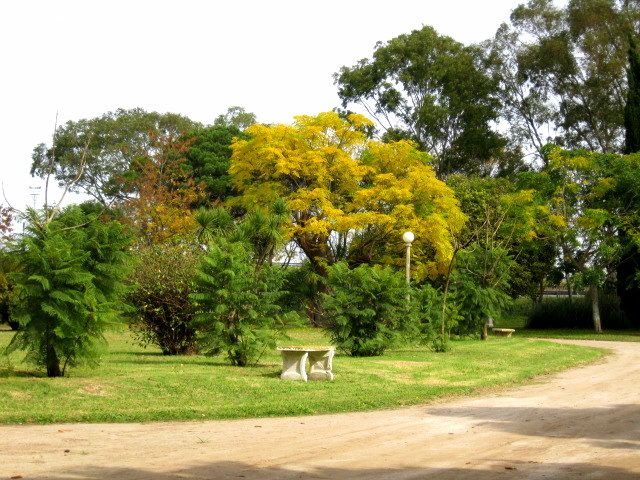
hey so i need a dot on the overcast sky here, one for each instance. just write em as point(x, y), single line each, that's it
point(274, 58)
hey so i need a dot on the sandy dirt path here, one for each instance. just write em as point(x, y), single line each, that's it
point(583, 423)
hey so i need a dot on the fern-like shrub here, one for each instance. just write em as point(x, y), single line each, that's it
point(238, 305)
point(160, 287)
point(367, 308)
point(479, 285)
point(68, 287)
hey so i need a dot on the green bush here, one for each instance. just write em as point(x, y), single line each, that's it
point(367, 308)
point(303, 286)
point(479, 284)
point(9, 265)
point(68, 287)
point(160, 288)
point(427, 307)
point(563, 313)
point(238, 306)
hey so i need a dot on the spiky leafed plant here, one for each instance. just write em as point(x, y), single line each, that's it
point(68, 287)
point(237, 305)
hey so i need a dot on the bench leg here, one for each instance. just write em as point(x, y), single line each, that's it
point(294, 366)
point(321, 365)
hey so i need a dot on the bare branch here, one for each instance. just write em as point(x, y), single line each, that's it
point(68, 185)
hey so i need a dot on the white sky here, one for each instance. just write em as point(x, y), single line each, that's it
point(274, 58)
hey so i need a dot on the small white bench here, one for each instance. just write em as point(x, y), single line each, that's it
point(503, 332)
point(294, 363)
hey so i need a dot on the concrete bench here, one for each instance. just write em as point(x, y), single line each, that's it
point(503, 332)
point(294, 363)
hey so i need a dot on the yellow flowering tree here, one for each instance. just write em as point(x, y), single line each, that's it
point(349, 197)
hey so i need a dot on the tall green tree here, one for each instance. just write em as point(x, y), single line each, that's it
point(626, 284)
point(595, 195)
point(104, 149)
point(561, 71)
point(632, 105)
point(68, 287)
point(431, 89)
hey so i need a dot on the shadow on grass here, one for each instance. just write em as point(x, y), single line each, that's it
point(137, 354)
point(510, 469)
point(167, 360)
point(617, 426)
point(11, 373)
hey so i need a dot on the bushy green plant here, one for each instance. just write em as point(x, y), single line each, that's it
point(304, 286)
point(576, 313)
point(8, 265)
point(427, 305)
point(238, 306)
point(367, 308)
point(160, 286)
point(480, 282)
point(68, 287)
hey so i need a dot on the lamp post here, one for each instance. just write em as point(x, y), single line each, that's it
point(408, 238)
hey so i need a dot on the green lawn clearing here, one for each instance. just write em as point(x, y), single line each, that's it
point(139, 384)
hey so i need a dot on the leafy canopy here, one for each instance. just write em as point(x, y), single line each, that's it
point(433, 90)
point(347, 196)
point(113, 142)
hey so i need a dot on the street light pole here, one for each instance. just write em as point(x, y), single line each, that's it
point(408, 238)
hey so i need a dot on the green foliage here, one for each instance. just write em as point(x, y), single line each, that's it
point(114, 142)
point(479, 285)
point(236, 117)
point(264, 231)
point(6, 218)
point(68, 287)
point(9, 264)
point(304, 287)
point(367, 308)
point(160, 287)
point(553, 313)
point(561, 68)
point(237, 305)
point(433, 90)
point(208, 158)
point(629, 265)
point(427, 307)
point(632, 105)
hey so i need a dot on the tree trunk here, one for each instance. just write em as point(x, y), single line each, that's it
point(53, 363)
point(595, 308)
point(540, 295)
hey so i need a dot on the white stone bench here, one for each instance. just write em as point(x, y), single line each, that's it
point(294, 363)
point(503, 332)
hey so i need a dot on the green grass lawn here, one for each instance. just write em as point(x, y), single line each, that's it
point(139, 384)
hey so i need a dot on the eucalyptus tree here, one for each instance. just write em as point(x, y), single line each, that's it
point(561, 71)
point(105, 150)
point(435, 91)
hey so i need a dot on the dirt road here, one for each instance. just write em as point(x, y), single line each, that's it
point(583, 423)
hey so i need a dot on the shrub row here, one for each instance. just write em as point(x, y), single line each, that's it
point(576, 313)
